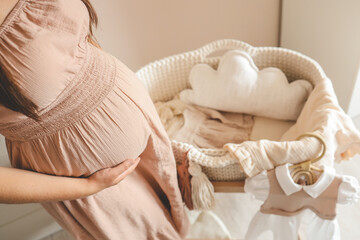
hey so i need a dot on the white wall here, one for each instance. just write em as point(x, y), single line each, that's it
point(141, 31)
point(328, 31)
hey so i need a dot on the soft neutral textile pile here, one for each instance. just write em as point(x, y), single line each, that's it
point(232, 107)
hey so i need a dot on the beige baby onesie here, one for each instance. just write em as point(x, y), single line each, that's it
point(279, 203)
point(201, 126)
point(208, 128)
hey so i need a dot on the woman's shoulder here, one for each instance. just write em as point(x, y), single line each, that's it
point(43, 46)
point(6, 7)
point(51, 13)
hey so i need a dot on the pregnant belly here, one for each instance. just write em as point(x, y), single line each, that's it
point(115, 131)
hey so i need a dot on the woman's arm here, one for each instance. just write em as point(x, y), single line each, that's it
point(21, 186)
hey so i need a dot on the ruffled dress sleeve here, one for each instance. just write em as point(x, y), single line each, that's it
point(258, 186)
point(349, 190)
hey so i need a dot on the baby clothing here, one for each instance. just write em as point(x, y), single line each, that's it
point(208, 128)
point(203, 127)
point(289, 207)
point(279, 203)
point(171, 114)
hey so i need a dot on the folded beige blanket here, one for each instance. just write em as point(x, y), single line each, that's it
point(321, 114)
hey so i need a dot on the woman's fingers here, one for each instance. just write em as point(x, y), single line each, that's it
point(124, 169)
point(111, 176)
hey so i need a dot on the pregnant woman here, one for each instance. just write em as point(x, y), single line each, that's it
point(68, 108)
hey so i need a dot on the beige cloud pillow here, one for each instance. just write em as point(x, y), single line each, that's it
point(238, 86)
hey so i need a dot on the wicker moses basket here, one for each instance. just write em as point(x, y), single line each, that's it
point(167, 77)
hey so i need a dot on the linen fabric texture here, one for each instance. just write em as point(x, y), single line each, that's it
point(94, 113)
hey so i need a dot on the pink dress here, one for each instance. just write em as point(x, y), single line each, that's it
point(95, 113)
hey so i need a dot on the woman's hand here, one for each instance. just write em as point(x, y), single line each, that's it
point(108, 177)
point(22, 186)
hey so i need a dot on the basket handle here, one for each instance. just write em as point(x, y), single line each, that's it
point(223, 44)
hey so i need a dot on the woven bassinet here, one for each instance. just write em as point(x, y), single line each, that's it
point(167, 77)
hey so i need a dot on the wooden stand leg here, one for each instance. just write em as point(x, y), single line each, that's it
point(229, 187)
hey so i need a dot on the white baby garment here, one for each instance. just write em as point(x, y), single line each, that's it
point(286, 227)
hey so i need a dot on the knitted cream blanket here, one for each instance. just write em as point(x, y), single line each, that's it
point(321, 114)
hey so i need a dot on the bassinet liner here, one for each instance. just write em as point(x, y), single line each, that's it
point(167, 77)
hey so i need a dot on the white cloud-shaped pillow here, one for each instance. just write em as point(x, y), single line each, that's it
point(238, 86)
